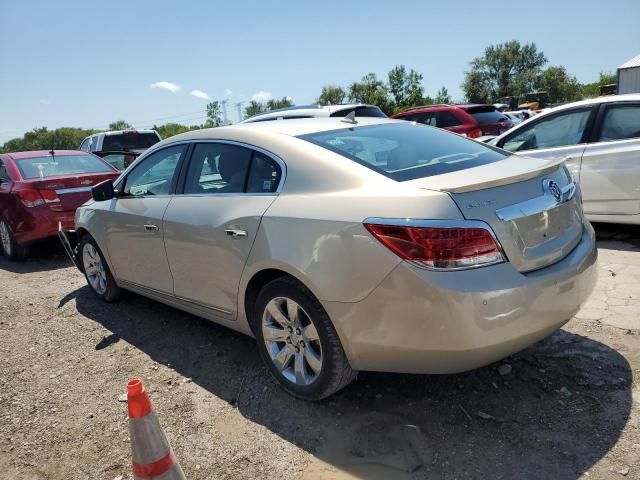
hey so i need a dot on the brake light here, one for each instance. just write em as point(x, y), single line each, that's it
point(34, 198)
point(440, 248)
point(475, 133)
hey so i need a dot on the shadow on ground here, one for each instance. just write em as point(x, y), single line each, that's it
point(618, 237)
point(43, 257)
point(559, 410)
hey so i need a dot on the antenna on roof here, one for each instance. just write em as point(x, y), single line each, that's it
point(350, 118)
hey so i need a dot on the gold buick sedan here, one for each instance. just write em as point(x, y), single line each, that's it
point(345, 244)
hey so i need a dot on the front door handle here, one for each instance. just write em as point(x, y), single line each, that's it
point(235, 233)
point(151, 228)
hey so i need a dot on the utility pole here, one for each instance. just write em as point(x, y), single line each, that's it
point(224, 111)
point(239, 105)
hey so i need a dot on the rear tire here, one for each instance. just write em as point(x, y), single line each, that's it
point(8, 244)
point(298, 342)
point(96, 270)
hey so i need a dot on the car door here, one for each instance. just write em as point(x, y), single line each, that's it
point(559, 135)
point(210, 227)
point(610, 169)
point(133, 225)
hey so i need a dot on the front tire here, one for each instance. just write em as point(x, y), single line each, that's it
point(8, 244)
point(96, 270)
point(298, 342)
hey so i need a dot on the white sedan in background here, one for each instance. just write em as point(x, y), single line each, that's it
point(599, 139)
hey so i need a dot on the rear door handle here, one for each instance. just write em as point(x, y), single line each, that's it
point(235, 233)
point(151, 228)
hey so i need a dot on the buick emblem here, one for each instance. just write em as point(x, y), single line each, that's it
point(552, 189)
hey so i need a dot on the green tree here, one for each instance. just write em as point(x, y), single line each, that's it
point(443, 96)
point(505, 69)
point(170, 129)
point(591, 90)
point(45, 139)
point(406, 87)
point(331, 95)
point(559, 85)
point(372, 91)
point(119, 125)
point(214, 115)
point(256, 108)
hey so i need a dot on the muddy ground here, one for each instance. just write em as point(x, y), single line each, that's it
point(569, 407)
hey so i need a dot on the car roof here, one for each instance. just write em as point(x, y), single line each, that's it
point(43, 153)
point(304, 110)
point(292, 128)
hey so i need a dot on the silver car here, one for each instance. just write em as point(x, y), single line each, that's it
point(346, 244)
point(599, 140)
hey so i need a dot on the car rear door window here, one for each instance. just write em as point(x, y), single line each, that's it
point(4, 177)
point(447, 119)
point(620, 122)
point(555, 131)
point(155, 174)
point(427, 118)
point(217, 168)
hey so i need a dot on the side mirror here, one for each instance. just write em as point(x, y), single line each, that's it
point(103, 191)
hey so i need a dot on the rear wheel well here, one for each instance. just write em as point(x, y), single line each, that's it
point(257, 283)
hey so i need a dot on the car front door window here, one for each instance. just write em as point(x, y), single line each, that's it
point(154, 175)
point(557, 131)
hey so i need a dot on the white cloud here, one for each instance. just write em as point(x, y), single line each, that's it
point(45, 102)
point(262, 96)
point(200, 94)
point(228, 92)
point(172, 87)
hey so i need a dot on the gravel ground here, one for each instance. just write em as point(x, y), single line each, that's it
point(566, 408)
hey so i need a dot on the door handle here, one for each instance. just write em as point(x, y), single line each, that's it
point(231, 232)
point(151, 228)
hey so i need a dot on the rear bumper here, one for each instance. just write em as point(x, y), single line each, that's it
point(40, 223)
point(421, 321)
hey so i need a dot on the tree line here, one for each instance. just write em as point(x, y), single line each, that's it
point(506, 69)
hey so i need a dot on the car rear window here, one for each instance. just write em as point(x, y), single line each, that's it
point(360, 112)
point(486, 114)
point(54, 165)
point(406, 151)
point(129, 141)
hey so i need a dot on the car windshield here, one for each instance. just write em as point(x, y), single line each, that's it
point(406, 151)
point(129, 141)
point(54, 165)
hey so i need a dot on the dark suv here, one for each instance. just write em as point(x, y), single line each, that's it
point(471, 120)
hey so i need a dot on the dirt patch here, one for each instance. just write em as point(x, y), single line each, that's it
point(567, 407)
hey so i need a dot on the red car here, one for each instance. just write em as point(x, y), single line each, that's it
point(40, 189)
point(471, 120)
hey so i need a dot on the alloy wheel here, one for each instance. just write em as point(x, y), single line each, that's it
point(292, 341)
point(5, 238)
point(94, 269)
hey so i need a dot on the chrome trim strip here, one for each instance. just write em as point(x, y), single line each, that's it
point(204, 307)
point(62, 191)
point(441, 223)
point(536, 205)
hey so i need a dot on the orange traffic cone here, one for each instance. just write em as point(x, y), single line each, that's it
point(152, 454)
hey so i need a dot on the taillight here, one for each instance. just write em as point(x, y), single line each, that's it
point(475, 133)
point(440, 247)
point(34, 198)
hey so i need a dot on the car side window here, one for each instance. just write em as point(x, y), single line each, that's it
point(447, 119)
point(217, 168)
point(154, 175)
point(424, 118)
point(264, 174)
point(620, 122)
point(556, 131)
point(85, 145)
point(4, 177)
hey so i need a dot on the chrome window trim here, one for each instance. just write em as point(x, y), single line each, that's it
point(62, 191)
point(441, 223)
point(272, 156)
point(537, 205)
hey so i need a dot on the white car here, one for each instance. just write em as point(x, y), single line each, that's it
point(599, 139)
point(318, 111)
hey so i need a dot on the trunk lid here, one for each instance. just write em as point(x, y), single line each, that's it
point(71, 190)
point(532, 205)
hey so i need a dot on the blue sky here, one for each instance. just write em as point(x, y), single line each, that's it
point(84, 64)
